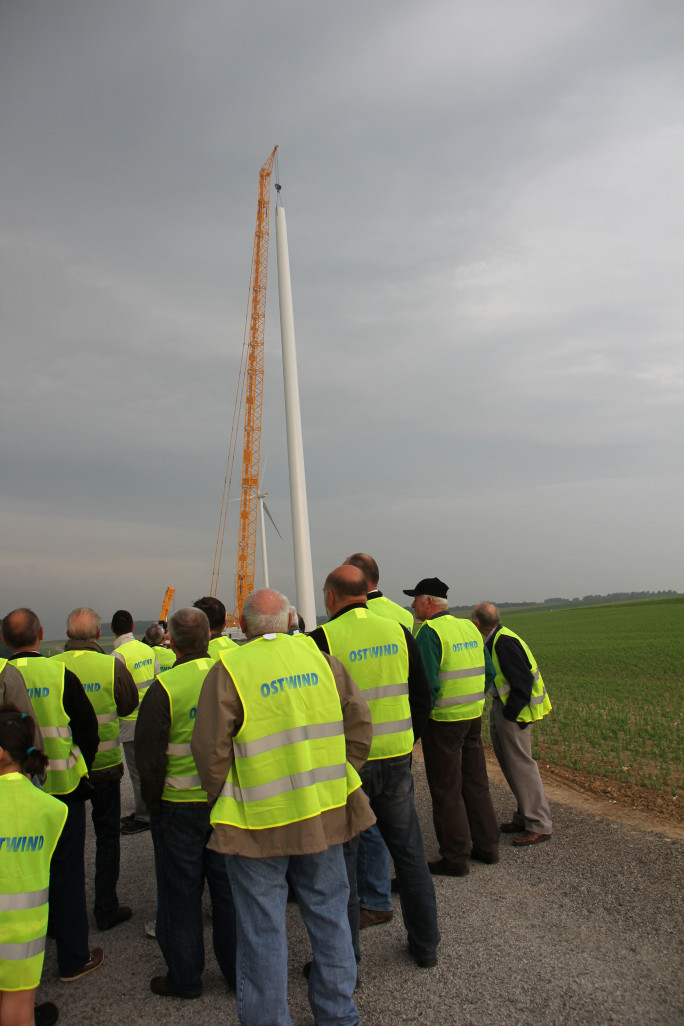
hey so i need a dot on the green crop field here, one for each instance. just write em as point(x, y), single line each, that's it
point(615, 676)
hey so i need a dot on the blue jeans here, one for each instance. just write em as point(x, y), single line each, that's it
point(180, 833)
point(260, 892)
point(373, 871)
point(105, 804)
point(389, 786)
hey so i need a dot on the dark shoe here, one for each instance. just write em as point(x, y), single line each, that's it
point(94, 962)
point(511, 827)
point(160, 985)
point(529, 837)
point(134, 826)
point(127, 819)
point(444, 868)
point(46, 1014)
point(373, 917)
point(482, 856)
point(394, 885)
point(424, 961)
point(122, 913)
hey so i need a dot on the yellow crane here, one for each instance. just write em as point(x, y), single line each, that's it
point(166, 604)
point(251, 393)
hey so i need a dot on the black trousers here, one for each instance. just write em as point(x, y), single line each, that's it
point(462, 809)
point(68, 913)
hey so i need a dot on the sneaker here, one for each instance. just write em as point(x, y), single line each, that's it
point(150, 928)
point(135, 826)
point(94, 962)
point(122, 913)
point(46, 1014)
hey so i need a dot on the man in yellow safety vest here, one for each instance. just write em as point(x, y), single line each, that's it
point(179, 817)
point(519, 700)
point(280, 732)
point(459, 671)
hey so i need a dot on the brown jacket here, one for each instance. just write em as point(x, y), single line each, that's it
point(219, 717)
point(13, 692)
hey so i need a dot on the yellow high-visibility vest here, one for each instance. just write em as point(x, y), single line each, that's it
point(462, 669)
point(290, 755)
point(540, 703)
point(374, 651)
point(183, 685)
point(95, 670)
point(140, 661)
point(44, 681)
point(31, 824)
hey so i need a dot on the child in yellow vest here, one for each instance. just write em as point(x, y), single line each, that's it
point(31, 824)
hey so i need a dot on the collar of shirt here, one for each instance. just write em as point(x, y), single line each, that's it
point(123, 638)
point(352, 605)
point(74, 645)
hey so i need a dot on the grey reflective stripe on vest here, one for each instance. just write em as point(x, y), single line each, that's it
point(385, 691)
point(538, 699)
point(503, 689)
point(15, 952)
point(183, 783)
point(107, 717)
point(105, 746)
point(54, 765)
point(178, 750)
point(284, 784)
point(395, 727)
point(472, 671)
point(56, 731)
point(461, 699)
point(144, 684)
point(310, 732)
point(29, 899)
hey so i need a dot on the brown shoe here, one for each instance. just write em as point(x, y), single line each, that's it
point(529, 837)
point(373, 917)
point(511, 827)
point(94, 962)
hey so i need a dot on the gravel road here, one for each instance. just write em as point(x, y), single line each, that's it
point(585, 930)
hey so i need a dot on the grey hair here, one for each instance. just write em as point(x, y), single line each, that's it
point(83, 624)
point(441, 603)
point(189, 630)
point(154, 634)
point(274, 619)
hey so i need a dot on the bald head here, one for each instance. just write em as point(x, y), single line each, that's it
point(368, 567)
point(21, 630)
point(83, 624)
point(265, 612)
point(343, 587)
point(485, 616)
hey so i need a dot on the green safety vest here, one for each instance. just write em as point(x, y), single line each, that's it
point(44, 681)
point(462, 669)
point(374, 651)
point(382, 606)
point(95, 670)
point(183, 685)
point(140, 663)
point(166, 657)
point(290, 760)
point(218, 645)
point(540, 703)
point(31, 824)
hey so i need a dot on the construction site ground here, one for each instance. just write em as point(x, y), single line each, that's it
point(584, 930)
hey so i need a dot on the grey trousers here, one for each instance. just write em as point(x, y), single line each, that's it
point(513, 749)
point(129, 755)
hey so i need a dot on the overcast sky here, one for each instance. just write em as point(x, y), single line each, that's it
point(485, 219)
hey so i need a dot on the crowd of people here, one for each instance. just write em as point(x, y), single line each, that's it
point(277, 769)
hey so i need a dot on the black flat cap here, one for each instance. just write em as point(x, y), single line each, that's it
point(429, 586)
